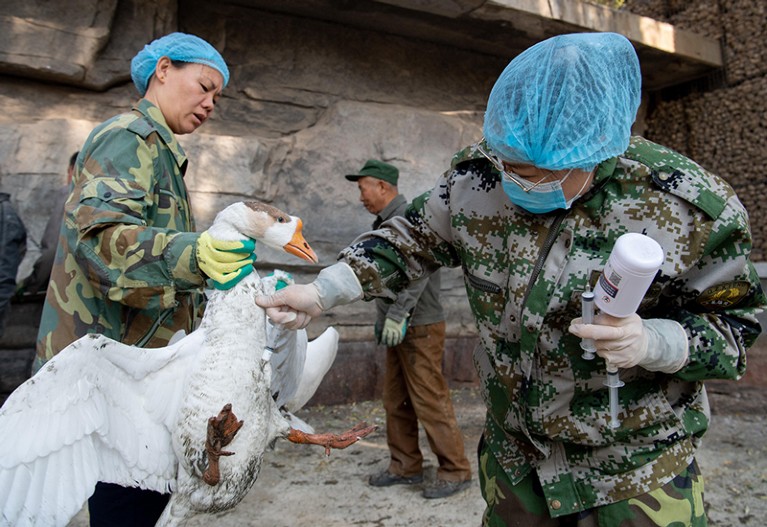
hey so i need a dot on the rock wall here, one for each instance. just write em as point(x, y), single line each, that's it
point(308, 102)
point(311, 100)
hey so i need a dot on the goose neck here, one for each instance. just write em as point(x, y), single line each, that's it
point(225, 232)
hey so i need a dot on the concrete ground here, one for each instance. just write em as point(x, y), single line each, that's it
point(298, 485)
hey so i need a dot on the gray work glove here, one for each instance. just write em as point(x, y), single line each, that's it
point(393, 332)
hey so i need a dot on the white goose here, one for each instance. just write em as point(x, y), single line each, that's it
point(155, 418)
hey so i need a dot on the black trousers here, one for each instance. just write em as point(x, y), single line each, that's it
point(116, 506)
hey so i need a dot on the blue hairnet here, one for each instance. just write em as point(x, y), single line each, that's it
point(566, 102)
point(176, 46)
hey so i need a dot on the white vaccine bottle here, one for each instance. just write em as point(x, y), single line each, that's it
point(627, 276)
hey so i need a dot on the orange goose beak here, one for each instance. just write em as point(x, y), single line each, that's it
point(298, 245)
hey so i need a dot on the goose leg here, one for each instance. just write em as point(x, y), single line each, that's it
point(221, 432)
point(329, 441)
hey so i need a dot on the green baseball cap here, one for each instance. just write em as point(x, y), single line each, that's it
point(378, 170)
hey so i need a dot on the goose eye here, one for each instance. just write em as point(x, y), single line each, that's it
point(280, 219)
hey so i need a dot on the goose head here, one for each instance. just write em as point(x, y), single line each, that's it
point(269, 225)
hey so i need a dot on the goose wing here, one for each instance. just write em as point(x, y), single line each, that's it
point(287, 361)
point(289, 346)
point(98, 411)
point(320, 355)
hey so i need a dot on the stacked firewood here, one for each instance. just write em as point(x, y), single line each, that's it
point(720, 123)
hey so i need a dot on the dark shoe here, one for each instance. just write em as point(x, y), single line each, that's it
point(443, 489)
point(386, 478)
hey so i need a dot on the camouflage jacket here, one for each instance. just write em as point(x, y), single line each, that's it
point(125, 266)
point(547, 407)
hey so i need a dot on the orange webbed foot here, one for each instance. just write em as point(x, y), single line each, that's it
point(338, 441)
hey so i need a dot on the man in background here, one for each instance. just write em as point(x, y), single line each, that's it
point(41, 272)
point(413, 329)
point(13, 237)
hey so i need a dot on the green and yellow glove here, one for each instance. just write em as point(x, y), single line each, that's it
point(393, 332)
point(225, 262)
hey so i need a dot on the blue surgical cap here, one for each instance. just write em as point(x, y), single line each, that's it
point(566, 102)
point(176, 46)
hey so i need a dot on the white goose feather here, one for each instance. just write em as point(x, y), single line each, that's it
point(105, 411)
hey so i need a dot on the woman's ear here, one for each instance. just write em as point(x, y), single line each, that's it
point(161, 69)
point(158, 77)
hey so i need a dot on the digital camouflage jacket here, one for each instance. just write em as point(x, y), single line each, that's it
point(125, 266)
point(547, 407)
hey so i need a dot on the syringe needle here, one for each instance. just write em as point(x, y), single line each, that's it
point(587, 314)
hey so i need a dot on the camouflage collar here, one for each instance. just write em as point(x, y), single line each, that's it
point(157, 119)
point(604, 171)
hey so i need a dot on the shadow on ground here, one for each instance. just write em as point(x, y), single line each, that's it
point(299, 485)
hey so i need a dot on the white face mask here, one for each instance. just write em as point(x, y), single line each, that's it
point(540, 198)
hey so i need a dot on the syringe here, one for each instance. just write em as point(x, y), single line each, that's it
point(587, 314)
point(628, 273)
point(589, 350)
point(273, 334)
point(613, 382)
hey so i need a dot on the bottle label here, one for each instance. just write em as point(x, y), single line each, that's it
point(610, 286)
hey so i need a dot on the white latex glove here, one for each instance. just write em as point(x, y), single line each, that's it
point(655, 344)
point(295, 306)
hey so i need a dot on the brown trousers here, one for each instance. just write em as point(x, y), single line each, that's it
point(415, 390)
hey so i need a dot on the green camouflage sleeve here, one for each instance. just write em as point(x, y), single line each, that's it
point(717, 300)
point(129, 238)
point(404, 248)
point(713, 291)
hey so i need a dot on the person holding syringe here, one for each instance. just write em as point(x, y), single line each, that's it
point(531, 214)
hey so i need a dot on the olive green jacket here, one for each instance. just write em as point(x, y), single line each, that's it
point(125, 266)
point(419, 302)
point(548, 407)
